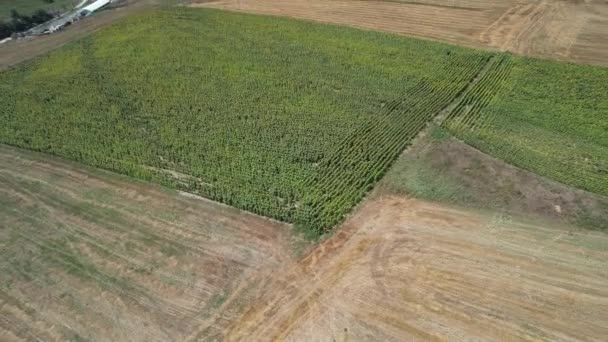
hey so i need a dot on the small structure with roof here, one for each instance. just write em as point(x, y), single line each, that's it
point(89, 9)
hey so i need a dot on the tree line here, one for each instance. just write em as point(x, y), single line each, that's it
point(21, 22)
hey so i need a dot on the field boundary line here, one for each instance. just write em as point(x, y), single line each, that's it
point(450, 107)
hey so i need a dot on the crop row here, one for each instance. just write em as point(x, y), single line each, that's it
point(350, 171)
point(469, 113)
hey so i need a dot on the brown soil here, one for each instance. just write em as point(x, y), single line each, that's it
point(92, 255)
point(562, 29)
point(403, 270)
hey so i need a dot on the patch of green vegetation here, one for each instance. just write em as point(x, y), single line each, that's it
point(145, 270)
point(170, 249)
point(289, 119)
point(100, 195)
point(78, 338)
point(129, 245)
point(593, 219)
point(168, 280)
point(22, 268)
point(109, 218)
point(307, 231)
point(73, 303)
point(439, 133)
point(414, 176)
point(168, 215)
point(429, 184)
point(589, 242)
point(218, 299)
point(150, 239)
point(104, 197)
point(60, 252)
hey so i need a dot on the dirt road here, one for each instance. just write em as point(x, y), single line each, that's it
point(403, 270)
point(567, 30)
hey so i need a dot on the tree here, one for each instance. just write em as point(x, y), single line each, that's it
point(20, 22)
point(41, 16)
point(15, 15)
point(6, 29)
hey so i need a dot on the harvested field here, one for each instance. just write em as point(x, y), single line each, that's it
point(89, 255)
point(565, 30)
point(405, 270)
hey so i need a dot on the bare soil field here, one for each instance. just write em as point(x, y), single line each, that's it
point(89, 255)
point(561, 29)
point(403, 270)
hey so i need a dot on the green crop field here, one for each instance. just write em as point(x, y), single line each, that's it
point(546, 117)
point(289, 119)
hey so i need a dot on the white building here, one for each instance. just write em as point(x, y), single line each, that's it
point(94, 6)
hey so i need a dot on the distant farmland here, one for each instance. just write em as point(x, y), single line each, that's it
point(288, 119)
point(28, 7)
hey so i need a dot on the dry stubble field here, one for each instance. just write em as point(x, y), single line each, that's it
point(407, 270)
point(567, 30)
point(89, 255)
